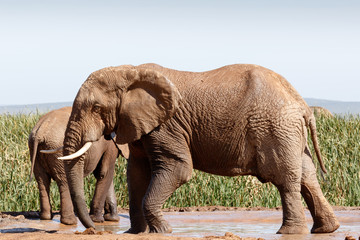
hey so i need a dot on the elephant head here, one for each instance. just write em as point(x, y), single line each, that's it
point(127, 100)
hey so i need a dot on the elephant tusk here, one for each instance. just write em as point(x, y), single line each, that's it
point(50, 151)
point(78, 153)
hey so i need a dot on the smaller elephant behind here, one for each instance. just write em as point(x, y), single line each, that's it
point(320, 111)
point(49, 133)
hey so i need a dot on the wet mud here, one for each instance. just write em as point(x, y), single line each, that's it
point(186, 223)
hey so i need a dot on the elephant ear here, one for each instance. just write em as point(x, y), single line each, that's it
point(149, 100)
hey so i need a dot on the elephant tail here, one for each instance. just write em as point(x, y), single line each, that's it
point(33, 157)
point(312, 126)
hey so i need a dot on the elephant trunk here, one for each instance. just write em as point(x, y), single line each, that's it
point(74, 170)
point(75, 177)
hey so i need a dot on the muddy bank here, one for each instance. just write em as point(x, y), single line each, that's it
point(47, 236)
point(188, 223)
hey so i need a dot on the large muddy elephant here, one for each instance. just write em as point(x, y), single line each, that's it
point(235, 120)
point(49, 133)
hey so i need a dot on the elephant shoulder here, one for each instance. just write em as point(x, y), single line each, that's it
point(153, 66)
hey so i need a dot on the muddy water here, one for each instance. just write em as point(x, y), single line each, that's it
point(199, 224)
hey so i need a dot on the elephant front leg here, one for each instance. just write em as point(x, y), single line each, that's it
point(155, 170)
point(321, 211)
point(98, 202)
point(67, 215)
point(104, 174)
point(138, 178)
point(96, 207)
point(159, 191)
point(110, 209)
point(163, 183)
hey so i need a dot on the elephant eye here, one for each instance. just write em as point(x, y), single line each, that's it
point(97, 109)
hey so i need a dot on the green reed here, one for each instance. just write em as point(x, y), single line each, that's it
point(339, 139)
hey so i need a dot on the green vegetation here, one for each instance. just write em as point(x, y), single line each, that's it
point(339, 139)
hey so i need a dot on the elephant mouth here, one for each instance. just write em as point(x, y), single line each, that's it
point(107, 137)
point(110, 136)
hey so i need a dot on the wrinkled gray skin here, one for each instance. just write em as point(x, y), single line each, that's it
point(49, 133)
point(235, 120)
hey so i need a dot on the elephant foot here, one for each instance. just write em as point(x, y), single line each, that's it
point(293, 229)
point(71, 220)
point(161, 228)
point(97, 218)
point(328, 226)
point(111, 217)
point(134, 230)
point(46, 216)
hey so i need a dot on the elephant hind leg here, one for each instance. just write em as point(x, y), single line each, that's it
point(293, 213)
point(321, 211)
point(283, 169)
point(43, 180)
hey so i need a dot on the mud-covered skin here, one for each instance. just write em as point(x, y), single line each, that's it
point(235, 120)
point(49, 133)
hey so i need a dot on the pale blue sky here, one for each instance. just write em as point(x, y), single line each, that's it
point(48, 48)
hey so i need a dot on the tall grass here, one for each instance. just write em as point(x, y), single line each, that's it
point(339, 139)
